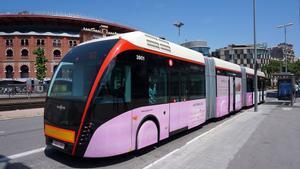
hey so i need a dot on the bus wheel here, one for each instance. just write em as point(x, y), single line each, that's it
point(147, 134)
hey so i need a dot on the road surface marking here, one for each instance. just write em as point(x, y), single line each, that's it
point(211, 130)
point(19, 155)
point(194, 139)
point(2, 132)
point(170, 153)
point(287, 108)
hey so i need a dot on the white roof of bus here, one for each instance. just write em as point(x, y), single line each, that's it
point(251, 71)
point(100, 39)
point(150, 42)
point(262, 74)
point(227, 65)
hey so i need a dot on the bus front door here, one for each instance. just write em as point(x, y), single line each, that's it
point(178, 118)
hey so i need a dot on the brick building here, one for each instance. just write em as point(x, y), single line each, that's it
point(21, 34)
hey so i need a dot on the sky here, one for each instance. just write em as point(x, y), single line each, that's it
point(219, 22)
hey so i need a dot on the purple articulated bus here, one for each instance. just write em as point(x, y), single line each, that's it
point(114, 95)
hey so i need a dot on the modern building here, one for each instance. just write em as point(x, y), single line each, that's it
point(199, 46)
point(297, 59)
point(279, 53)
point(243, 54)
point(22, 33)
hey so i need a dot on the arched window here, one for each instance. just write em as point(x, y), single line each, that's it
point(9, 71)
point(9, 52)
point(56, 53)
point(24, 71)
point(24, 52)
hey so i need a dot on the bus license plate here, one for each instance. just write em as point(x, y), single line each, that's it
point(58, 144)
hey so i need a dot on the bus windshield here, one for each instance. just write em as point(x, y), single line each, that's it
point(75, 74)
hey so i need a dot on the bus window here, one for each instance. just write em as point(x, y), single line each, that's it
point(196, 82)
point(259, 84)
point(76, 73)
point(139, 83)
point(174, 85)
point(157, 84)
point(249, 84)
point(152, 91)
point(116, 86)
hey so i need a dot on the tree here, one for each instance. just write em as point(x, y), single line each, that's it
point(274, 66)
point(40, 64)
point(294, 68)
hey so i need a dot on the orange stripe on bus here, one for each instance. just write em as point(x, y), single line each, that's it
point(60, 134)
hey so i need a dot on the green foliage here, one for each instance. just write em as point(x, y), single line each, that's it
point(40, 63)
point(273, 66)
point(294, 68)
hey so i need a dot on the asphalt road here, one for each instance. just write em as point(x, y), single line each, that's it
point(265, 139)
point(20, 135)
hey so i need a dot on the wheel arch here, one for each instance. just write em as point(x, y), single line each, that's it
point(147, 118)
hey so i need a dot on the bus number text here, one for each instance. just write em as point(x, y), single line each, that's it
point(139, 57)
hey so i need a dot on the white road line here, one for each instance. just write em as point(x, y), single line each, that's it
point(194, 139)
point(211, 130)
point(19, 155)
point(2, 132)
point(287, 108)
point(172, 152)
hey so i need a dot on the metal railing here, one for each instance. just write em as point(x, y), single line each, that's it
point(23, 90)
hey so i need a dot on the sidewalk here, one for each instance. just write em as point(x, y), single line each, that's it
point(259, 137)
point(13, 114)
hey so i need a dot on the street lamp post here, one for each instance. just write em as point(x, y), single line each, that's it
point(285, 52)
point(178, 24)
point(255, 56)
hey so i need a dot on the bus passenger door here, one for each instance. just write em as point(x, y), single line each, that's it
point(232, 94)
point(263, 90)
point(222, 99)
point(260, 91)
point(238, 93)
point(178, 119)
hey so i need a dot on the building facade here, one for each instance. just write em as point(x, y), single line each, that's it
point(282, 50)
point(21, 34)
point(199, 46)
point(243, 54)
point(296, 59)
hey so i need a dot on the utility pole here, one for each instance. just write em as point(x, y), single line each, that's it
point(178, 24)
point(255, 56)
point(285, 48)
